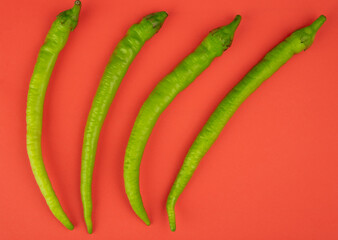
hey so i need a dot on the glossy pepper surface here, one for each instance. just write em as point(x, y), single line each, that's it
point(55, 41)
point(166, 90)
point(298, 41)
point(122, 57)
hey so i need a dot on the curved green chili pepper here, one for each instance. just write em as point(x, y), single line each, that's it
point(54, 43)
point(117, 67)
point(185, 73)
point(298, 41)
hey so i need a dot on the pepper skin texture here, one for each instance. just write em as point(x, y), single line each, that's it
point(54, 43)
point(216, 42)
point(298, 41)
point(122, 57)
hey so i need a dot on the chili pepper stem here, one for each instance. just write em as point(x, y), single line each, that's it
point(318, 23)
point(234, 24)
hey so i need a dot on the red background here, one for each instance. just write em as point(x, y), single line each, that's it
point(272, 174)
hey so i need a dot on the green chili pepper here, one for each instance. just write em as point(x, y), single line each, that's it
point(117, 67)
point(298, 41)
point(54, 43)
point(185, 73)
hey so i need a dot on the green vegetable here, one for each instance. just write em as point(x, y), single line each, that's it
point(298, 41)
point(117, 67)
point(54, 43)
point(185, 73)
